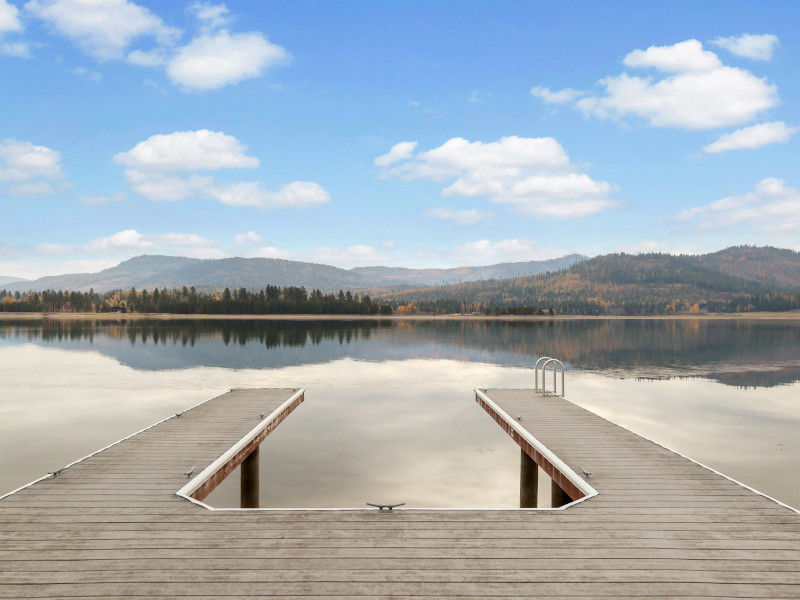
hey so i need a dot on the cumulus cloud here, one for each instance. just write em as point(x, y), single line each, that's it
point(533, 175)
point(683, 57)
point(201, 150)
point(690, 89)
point(28, 170)
point(772, 206)
point(9, 17)
point(211, 16)
point(560, 97)
point(188, 244)
point(214, 60)
point(469, 216)
point(398, 152)
point(10, 23)
point(753, 137)
point(755, 47)
point(512, 250)
point(171, 167)
point(110, 30)
point(102, 28)
point(298, 194)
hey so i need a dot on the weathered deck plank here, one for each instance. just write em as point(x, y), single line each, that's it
point(112, 526)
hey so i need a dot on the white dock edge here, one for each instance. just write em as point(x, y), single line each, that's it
point(207, 473)
point(560, 465)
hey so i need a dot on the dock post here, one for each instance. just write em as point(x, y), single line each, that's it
point(558, 497)
point(249, 491)
point(528, 481)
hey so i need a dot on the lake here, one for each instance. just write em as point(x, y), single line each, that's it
point(390, 414)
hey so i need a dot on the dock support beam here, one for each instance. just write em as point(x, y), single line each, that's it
point(249, 481)
point(528, 481)
point(558, 497)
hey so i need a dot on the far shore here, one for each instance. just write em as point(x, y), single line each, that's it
point(793, 315)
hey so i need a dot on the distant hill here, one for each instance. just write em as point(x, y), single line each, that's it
point(387, 276)
point(5, 279)
point(635, 284)
point(767, 265)
point(148, 272)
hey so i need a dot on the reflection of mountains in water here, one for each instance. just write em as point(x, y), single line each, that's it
point(734, 352)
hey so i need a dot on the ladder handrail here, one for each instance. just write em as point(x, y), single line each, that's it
point(556, 363)
point(536, 374)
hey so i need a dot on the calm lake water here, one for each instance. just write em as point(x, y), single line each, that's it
point(390, 414)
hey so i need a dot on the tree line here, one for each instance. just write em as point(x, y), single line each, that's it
point(271, 299)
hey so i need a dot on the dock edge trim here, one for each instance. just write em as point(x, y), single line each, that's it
point(587, 490)
point(201, 478)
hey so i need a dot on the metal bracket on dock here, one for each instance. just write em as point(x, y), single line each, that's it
point(57, 472)
point(388, 507)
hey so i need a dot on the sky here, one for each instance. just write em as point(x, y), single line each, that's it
point(414, 134)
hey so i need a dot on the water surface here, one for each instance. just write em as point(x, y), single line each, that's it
point(389, 413)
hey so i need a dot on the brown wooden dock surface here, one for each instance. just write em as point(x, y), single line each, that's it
point(112, 526)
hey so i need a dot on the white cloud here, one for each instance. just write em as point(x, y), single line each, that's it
point(164, 188)
point(251, 237)
point(157, 167)
point(756, 47)
point(9, 17)
point(469, 216)
point(400, 151)
point(102, 28)
point(772, 206)
point(132, 240)
point(560, 97)
point(200, 150)
point(753, 137)
point(273, 252)
point(349, 257)
point(683, 57)
point(298, 194)
point(27, 169)
point(212, 61)
point(486, 252)
point(696, 91)
point(211, 16)
point(534, 175)
point(147, 58)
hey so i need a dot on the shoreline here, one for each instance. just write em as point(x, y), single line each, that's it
point(13, 316)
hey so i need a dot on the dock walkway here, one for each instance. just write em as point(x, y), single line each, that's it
point(112, 525)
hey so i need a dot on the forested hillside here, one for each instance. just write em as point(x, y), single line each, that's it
point(623, 284)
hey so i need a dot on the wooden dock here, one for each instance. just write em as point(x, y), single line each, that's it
point(650, 523)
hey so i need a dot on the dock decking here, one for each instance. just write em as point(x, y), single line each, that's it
point(112, 525)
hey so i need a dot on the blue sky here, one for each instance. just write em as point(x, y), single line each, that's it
point(410, 134)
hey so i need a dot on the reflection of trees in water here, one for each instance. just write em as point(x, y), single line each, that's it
point(735, 352)
point(272, 334)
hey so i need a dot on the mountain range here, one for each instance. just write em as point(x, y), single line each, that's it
point(738, 279)
point(149, 272)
